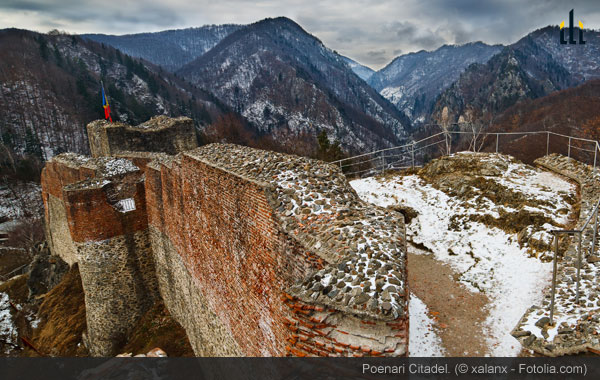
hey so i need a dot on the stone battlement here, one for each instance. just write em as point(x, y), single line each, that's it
point(254, 253)
point(159, 134)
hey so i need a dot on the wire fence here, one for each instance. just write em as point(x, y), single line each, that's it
point(518, 144)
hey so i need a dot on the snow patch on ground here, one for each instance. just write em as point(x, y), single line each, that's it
point(424, 341)
point(8, 330)
point(487, 258)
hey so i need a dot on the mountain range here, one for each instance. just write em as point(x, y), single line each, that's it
point(535, 66)
point(269, 83)
point(412, 82)
point(169, 49)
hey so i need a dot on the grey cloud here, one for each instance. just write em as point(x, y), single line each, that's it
point(370, 31)
point(429, 41)
point(379, 56)
point(106, 13)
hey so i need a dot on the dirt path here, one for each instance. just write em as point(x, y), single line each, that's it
point(460, 314)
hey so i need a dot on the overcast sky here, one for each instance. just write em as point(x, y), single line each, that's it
point(369, 31)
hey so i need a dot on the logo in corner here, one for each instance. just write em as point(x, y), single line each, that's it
point(571, 32)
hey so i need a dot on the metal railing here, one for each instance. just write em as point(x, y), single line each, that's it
point(411, 155)
point(14, 272)
point(407, 156)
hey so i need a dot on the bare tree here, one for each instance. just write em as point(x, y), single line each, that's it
point(30, 230)
point(445, 125)
point(8, 154)
point(477, 127)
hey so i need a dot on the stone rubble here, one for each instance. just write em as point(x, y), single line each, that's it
point(156, 352)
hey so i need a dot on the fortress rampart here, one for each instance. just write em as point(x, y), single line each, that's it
point(255, 253)
point(159, 134)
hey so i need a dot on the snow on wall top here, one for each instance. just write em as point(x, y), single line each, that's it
point(154, 124)
point(104, 168)
point(160, 122)
point(362, 245)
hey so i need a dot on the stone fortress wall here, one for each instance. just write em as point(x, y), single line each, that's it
point(255, 253)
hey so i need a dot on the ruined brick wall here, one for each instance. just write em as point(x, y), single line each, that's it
point(216, 229)
point(320, 330)
point(226, 259)
point(159, 134)
point(111, 244)
point(59, 172)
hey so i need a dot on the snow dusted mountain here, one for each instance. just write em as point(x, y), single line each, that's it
point(288, 84)
point(534, 66)
point(413, 81)
point(362, 71)
point(170, 49)
point(50, 90)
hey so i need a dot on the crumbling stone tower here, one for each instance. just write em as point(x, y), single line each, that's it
point(100, 223)
point(96, 217)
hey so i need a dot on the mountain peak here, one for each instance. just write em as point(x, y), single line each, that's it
point(286, 83)
point(413, 81)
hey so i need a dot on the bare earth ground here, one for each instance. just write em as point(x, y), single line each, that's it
point(459, 313)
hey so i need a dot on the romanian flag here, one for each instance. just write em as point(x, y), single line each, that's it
point(105, 105)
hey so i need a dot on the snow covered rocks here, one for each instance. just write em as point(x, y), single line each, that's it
point(576, 325)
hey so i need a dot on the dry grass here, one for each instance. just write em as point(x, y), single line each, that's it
point(158, 329)
point(62, 315)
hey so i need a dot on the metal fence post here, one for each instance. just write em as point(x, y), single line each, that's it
point(447, 145)
point(547, 143)
point(553, 279)
point(382, 162)
point(595, 231)
point(595, 153)
point(578, 268)
point(497, 142)
point(413, 154)
point(569, 151)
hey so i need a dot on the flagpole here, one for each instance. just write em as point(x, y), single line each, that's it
point(105, 104)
